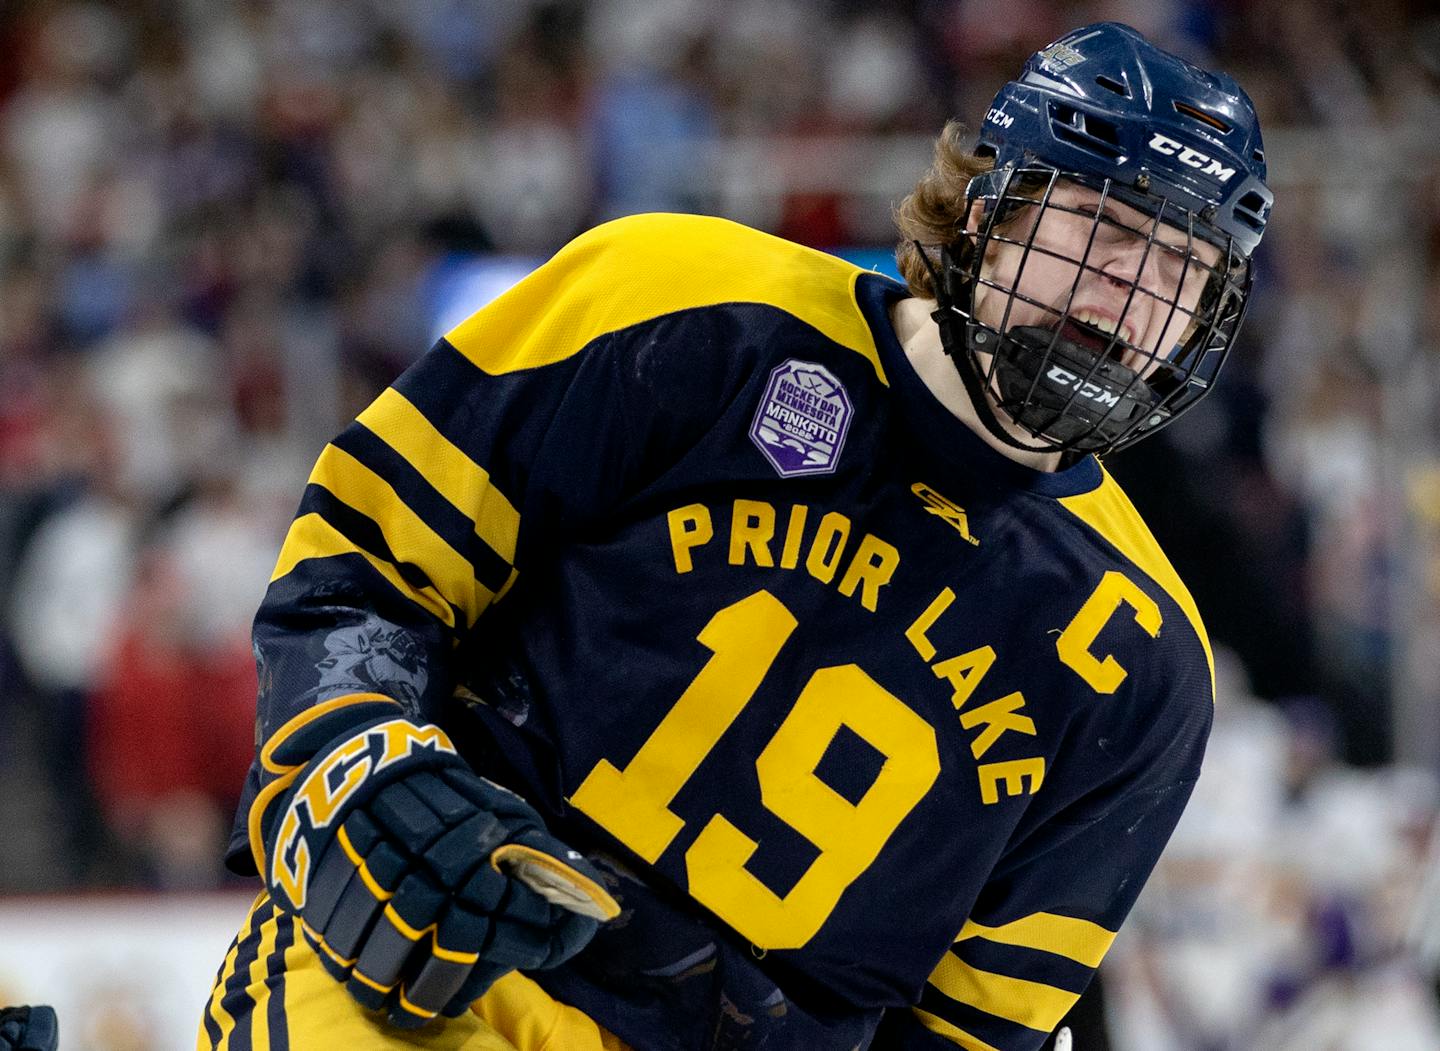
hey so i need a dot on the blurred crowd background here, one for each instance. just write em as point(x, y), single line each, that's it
point(225, 225)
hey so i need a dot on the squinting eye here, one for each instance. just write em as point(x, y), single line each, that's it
point(1178, 257)
point(1111, 230)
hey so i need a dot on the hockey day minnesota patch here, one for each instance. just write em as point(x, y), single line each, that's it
point(801, 422)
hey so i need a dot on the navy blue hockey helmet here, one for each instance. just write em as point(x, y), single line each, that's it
point(1103, 109)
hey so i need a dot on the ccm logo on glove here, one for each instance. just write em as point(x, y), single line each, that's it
point(418, 882)
point(330, 785)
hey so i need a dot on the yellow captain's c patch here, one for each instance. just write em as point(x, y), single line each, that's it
point(1107, 510)
point(646, 266)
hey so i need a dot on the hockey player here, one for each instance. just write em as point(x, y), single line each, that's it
point(709, 644)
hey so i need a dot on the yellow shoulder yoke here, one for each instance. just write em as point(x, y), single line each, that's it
point(645, 266)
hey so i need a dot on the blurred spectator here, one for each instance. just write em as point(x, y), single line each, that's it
point(1278, 916)
point(77, 563)
point(169, 734)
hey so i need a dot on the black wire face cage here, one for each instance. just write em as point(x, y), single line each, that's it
point(1091, 385)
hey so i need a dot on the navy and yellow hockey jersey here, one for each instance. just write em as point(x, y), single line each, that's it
point(876, 733)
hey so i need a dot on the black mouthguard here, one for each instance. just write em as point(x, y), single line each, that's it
point(1058, 388)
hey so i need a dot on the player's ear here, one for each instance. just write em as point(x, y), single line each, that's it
point(974, 218)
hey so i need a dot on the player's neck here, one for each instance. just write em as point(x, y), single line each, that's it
point(919, 336)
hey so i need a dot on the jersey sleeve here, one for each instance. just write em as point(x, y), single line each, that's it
point(534, 417)
point(1051, 908)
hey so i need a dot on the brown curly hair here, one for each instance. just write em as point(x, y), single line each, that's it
point(934, 212)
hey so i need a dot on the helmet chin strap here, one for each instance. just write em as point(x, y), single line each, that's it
point(958, 337)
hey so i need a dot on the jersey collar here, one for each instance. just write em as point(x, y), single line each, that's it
point(937, 428)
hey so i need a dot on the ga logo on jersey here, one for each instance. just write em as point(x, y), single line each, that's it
point(802, 420)
point(951, 513)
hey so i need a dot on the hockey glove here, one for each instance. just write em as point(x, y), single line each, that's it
point(29, 1029)
point(418, 882)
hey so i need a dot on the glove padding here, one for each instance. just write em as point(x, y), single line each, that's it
point(29, 1029)
point(420, 883)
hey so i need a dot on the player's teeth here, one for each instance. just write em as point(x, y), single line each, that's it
point(1089, 317)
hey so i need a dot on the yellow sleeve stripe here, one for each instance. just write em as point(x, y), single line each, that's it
point(454, 475)
point(311, 536)
point(505, 587)
point(950, 1032)
point(1107, 510)
point(409, 537)
point(1075, 939)
point(646, 266)
point(1034, 1005)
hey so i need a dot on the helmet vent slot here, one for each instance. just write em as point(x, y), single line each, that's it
point(1203, 117)
point(1251, 209)
point(1085, 130)
point(1111, 84)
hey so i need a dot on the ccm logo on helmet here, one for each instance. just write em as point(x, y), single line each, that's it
point(1194, 158)
point(1098, 395)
